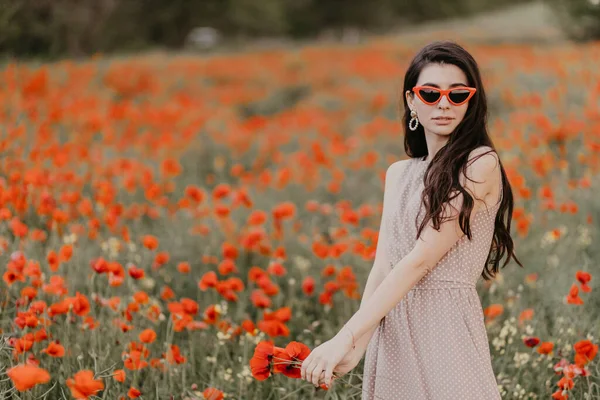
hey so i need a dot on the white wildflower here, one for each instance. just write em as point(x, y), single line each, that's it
point(246, 373)
point(584, 239)
point(498, 343)
point(223, 336)
point(529, 330)
point(303, 264)
point(552, 260)
point(227, 374)
point(147, 283)
point(521, 359)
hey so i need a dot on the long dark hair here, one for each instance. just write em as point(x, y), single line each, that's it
point(442, 175)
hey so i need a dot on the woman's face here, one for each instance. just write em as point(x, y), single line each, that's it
point(443, 76)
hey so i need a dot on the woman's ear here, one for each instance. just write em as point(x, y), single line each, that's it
point(409, 100)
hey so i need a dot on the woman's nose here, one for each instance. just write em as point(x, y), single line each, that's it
point(444, 102)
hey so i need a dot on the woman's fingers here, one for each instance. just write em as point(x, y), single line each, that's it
point(316, 373)
point(314, 370)
point(310, 369)
point(304, 366)
point(328, 375)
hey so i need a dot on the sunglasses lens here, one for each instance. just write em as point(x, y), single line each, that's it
point(429, 95)
point(459, 95)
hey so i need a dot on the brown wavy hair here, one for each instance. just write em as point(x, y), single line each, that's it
point(442, 175)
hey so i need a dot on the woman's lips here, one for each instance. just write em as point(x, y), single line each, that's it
point(443, 121)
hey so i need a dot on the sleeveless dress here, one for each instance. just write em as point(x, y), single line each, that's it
point(433, 344)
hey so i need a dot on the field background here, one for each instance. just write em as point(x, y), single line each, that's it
point(126, 179)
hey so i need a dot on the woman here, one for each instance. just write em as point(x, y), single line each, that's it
point(446, 220)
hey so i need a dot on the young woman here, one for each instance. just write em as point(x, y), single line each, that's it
point(446, 220)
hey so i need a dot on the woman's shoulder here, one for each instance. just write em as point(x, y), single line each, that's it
point(396, 168)
point(483, 162)
point(482, 151)
point(484, 175)
point(396, 171)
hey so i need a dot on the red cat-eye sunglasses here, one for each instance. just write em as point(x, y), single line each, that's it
point(432, 95)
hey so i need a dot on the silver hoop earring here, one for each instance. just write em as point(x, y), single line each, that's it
point(414, 119)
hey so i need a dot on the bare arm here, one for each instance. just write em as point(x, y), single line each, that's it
point(429, 249)
point(380, 264)
point(373, 282)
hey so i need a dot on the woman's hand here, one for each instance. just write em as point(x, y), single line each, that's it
point(325, 358)
point(348, 363)
point(350, 360)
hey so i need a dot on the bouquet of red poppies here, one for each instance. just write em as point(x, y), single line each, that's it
point(269, 359)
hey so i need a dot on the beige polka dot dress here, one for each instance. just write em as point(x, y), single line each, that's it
point(433, 344)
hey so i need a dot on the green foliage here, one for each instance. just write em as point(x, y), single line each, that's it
point(579, 19)
point(52, 28)
point(309, 16)
point(258, 17)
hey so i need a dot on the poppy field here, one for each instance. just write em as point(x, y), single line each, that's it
point(170, 222)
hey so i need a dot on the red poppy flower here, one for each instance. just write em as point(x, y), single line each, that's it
point(24, 377)
point(287, 361)
point(260, 363)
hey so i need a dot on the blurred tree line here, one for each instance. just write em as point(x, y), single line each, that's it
point(579, 19)
point(51, 28)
